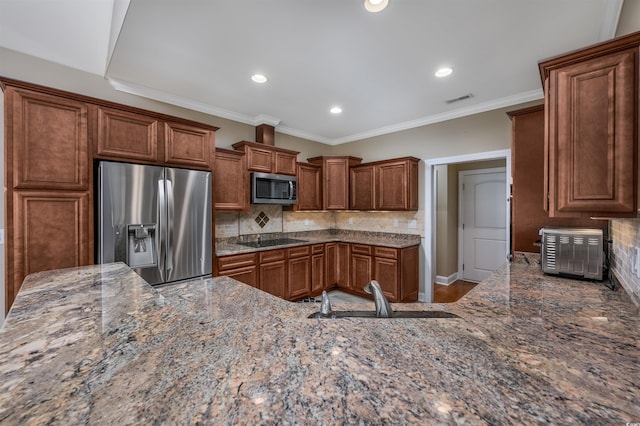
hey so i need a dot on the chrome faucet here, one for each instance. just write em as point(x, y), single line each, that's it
point(325, 306)
point(383, 309)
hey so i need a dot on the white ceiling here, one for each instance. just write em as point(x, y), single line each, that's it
point(378, 68)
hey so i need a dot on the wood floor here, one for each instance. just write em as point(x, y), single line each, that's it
point(452, 292)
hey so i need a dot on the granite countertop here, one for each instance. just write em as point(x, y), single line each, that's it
point(230, 246)
point(98, 345)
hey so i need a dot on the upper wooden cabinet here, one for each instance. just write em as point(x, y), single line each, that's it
point(230, 180)
point(591, 152)
point(127, 135)
point(309, 187)
point(48, 140)
point(397, 184)
point(385, 185)
point(362, 187)
point(188, 145)
point(335, 180)
point(268, 158)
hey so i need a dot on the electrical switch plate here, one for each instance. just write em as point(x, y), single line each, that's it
point(413, 224)
point(306, 222)
point(637, 259)
point(350, 221)
point(1, 236)
point(395, 222)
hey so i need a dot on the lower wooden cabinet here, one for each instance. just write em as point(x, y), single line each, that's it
point(304, 271)
point(317, 269)
point(298, 272)
point(51, 230)
point(273, 272)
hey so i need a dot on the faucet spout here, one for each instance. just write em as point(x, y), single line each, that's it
point(383, 309)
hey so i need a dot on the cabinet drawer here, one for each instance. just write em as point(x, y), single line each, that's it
point(317, 248)
point(298, 251)
point(236, 261)
point(361, 249)
point(387, 252)
point(272, 255)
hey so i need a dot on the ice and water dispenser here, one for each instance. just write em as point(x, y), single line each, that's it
point(141, 245)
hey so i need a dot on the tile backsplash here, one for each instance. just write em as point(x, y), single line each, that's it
point(625, 233)
point(231, 224)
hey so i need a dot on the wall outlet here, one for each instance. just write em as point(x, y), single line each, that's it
point(413, 224)
point(1, 236)
point(395, 222)
point(350, 221)
point(306, 222)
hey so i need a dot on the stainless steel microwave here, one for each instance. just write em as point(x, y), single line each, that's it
point(268, 188)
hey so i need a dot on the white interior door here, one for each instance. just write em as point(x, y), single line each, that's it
point(482, 222)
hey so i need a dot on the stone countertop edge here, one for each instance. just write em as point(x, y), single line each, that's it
point(230, 246)
point(99, 345)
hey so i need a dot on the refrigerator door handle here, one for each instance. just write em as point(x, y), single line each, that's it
point(169, 234)
point(160, 240)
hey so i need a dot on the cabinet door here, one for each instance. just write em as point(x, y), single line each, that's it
point(336, 184)
point(230, 181)
point(317, 273)
point(273, 278)
point(284, 163)
point(309, 187)
point(299, 277)
point(331, 265)
point(592, 122)
point(361, 271)
point(248, 275)
point(127, 135)
point(385, 271)
point(187, 145)
point(52, 230)
point(395, 188)
point(258, 159)
point(362, 193)
point(343, 265)
point(49, 140)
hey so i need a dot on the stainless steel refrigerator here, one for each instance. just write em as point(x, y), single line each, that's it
point(155, 219)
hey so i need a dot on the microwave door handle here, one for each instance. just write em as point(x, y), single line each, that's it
point(290, 190)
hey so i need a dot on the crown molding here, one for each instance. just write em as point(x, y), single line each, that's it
point(610, 20)
point(169, 98)
point(449, 115)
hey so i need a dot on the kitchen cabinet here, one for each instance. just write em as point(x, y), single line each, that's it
point(48, 184)
point(242, 267)
point(230, 180)
point(298, 272)
point(361, 267)
point(188, 145)
point(591, 118)
point(309, 187)
point(335, 180)
point(385, 185)
point(268, 158)
point(396, 270)
point(397, 184)
point(317, 269)
point(527, 160)
point(127, 135)
point(337, 265)
point(362, 187)
point(273, 272)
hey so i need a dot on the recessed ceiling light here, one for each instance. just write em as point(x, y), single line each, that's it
point(375, 5)
point(259, 78)
point(443, 72)
point(335, 110)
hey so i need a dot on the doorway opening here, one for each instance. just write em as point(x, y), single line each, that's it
point(442, 221)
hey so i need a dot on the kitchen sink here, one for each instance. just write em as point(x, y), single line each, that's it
point(396, 314)
point(271, 243)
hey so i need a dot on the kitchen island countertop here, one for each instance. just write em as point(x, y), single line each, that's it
point(99, 345)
